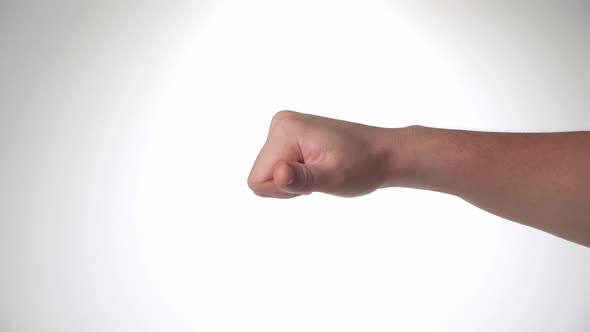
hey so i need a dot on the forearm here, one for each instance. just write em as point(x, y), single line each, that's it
point(540, 180)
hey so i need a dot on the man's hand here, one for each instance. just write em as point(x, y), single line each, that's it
point(305, 153)
point(538, 179)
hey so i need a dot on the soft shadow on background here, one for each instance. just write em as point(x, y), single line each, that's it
point(127, 131)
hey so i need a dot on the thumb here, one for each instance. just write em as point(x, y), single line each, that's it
point(298, 178)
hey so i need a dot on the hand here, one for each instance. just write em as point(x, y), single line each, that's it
point(306, 153)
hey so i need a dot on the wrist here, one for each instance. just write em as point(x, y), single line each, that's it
point(401, 155)
point(430, 158)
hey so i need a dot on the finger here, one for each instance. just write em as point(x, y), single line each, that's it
point(269, 189)
point(260, 179)
point(298, 178)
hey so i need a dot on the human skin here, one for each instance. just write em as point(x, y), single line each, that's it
point(537, 179)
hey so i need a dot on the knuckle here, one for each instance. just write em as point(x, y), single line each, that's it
point(308, 180)
point(252, 184)
point(282, 116)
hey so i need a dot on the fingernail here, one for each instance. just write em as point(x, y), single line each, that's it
point(290, 181)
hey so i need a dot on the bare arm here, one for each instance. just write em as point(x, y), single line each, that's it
point(540, 180)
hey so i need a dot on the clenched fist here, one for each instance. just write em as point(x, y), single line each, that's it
point(537, 179)
point(305, 153)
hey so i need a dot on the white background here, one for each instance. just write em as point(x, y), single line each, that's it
point(127, 131)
